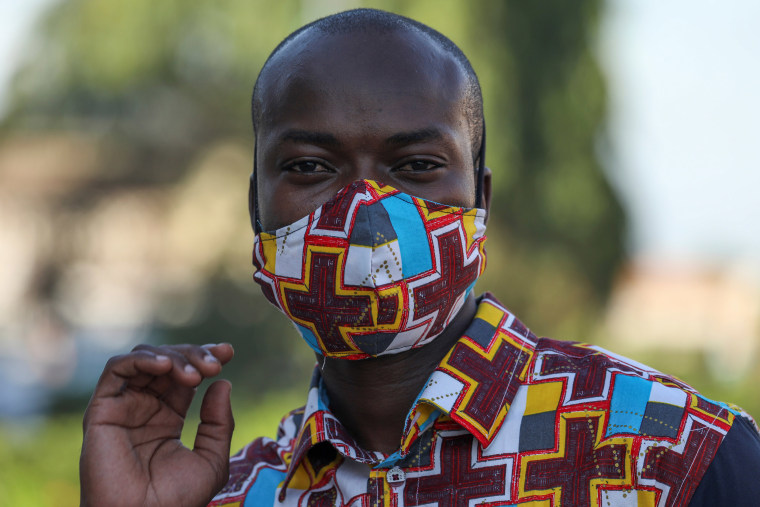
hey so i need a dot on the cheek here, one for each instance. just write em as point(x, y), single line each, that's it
point(278, 209)
point(281, 204)
point(272, 213)
point(459, 189)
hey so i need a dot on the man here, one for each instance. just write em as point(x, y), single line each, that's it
point(365, 121)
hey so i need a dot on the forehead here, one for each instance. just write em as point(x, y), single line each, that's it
point(369, 79)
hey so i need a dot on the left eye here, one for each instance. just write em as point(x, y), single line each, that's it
point(306, 167)
point(418, 166)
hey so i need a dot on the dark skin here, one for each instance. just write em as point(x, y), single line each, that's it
point(336, 108)
point(401, 121)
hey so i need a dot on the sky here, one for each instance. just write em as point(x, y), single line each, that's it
point(684, 120)
point(685, 123)
point(17, 18)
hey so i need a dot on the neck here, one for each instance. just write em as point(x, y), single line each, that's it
point(372, 397)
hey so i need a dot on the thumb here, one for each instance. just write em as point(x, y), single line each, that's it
point(212, 441)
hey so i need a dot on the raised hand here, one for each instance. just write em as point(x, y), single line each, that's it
point(131, 452)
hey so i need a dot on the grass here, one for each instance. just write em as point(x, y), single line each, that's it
point(39, 459)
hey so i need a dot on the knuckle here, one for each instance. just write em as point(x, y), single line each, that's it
point(113, 361)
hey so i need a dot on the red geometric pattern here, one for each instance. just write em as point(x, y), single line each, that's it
point(520, 330)
point(257, 454)
point(335, 211)
point(354, 288)
point(330, 430)
point(324, 308)
point(433, 207)
point(441, 293)
point(458, 483)
point(449, 463)
point(589, 369)
point(323, 498)
point(492, 388)
point(582, 462)
point(709, 407)
point(667, 466)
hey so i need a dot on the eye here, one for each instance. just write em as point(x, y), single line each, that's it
point(417, 166)
point(306, 167)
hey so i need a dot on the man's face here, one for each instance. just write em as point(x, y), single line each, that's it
point(339, 108)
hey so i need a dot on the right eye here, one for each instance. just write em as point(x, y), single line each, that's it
point(306, 167)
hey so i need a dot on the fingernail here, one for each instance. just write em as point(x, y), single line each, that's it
point(161, 358)
point(189, 368)
point(209, 358)
point(208, 345)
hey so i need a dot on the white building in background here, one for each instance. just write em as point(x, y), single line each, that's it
point(87, 272)
point(679, 308)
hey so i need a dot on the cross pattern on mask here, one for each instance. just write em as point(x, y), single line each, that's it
point(337, 211)
point(422, 259)
point(438, 296)
point(324, 308)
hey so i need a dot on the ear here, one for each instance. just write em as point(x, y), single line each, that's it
point(252, 200)
point(253, 192)
point(485, 197)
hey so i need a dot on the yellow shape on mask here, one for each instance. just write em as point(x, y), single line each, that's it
point(269, 245)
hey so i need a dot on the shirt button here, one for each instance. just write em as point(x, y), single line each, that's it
point(395, 477)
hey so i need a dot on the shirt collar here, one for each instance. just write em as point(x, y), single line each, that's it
point(474, 385)
point(478, 379)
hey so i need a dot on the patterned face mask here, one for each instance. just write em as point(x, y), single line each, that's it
point(373, 271)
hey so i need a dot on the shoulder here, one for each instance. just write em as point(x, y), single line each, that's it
point(638, 399)
point(262, 464)
point(731, 478)
point(670, 433)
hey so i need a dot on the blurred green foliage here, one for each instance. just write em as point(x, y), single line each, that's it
point(160, 83)
point(39, 463)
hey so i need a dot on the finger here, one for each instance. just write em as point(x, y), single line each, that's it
point(212, 441)
point(208, 360)
point(222, 351)
point(190, 364)
point(193, 363)
point(185, 360)
point(136, 368)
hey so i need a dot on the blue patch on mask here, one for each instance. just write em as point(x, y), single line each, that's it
point(411, 233)
point(469, 289)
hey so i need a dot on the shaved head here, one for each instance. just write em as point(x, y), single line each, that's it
point(365, 94)
point(358, 27)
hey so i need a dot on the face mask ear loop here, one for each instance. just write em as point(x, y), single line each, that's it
point(253, 197)
point(481, 169)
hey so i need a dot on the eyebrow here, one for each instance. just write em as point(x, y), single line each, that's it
point(325, 139)
point(414, 136)
point(307, 136)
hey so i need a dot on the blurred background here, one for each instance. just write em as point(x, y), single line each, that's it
point(622, 136)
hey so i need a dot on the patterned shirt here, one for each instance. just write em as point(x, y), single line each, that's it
point(505, 419)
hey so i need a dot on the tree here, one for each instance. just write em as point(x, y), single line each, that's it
point(159, 85)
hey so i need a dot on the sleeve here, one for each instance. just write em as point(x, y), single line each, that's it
point(733, 477)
